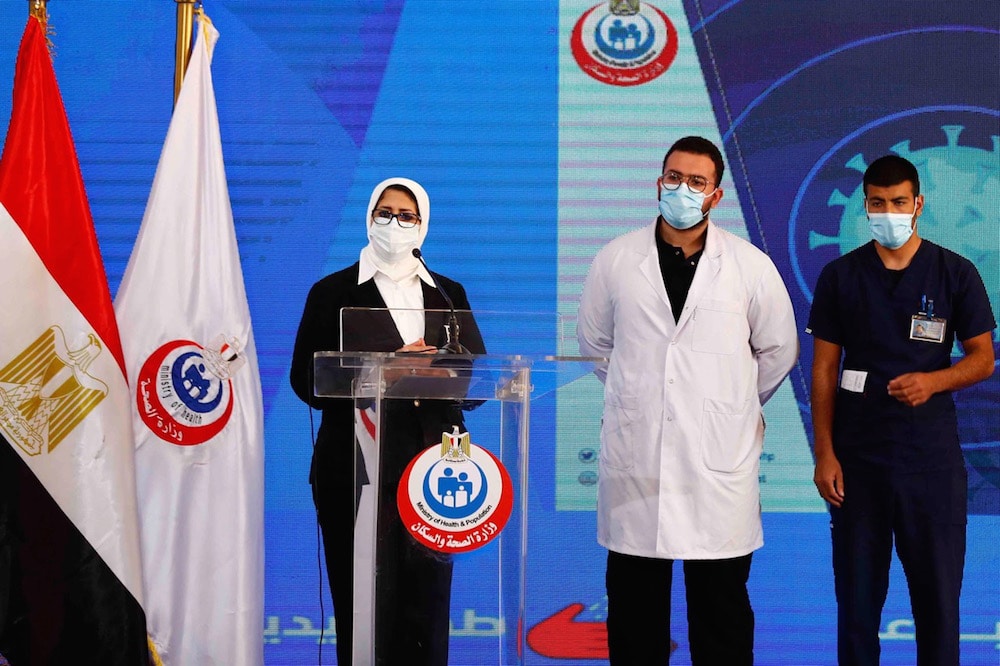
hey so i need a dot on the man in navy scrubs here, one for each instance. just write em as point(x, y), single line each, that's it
point(888, 459)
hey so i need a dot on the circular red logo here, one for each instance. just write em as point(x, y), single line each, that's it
point(624, 49)
point(455, 503)
point(179, 398)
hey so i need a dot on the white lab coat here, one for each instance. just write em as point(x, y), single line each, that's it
point(683, 428)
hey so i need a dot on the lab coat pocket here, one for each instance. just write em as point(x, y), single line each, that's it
point(618, 430)
point(717, 326)
point(732, 435)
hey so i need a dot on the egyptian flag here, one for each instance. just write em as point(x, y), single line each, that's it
point(70, 580)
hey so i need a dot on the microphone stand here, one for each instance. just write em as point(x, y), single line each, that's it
point(451, 329)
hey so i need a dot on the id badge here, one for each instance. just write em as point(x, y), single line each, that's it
point(927, 328)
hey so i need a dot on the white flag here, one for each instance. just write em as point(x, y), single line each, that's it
point(192, 366)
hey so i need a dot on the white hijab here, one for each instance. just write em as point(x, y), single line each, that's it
point(408, 266)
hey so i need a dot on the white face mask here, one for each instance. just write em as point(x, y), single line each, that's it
point(391, 243)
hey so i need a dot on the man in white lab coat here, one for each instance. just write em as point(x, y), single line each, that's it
point(700, 332)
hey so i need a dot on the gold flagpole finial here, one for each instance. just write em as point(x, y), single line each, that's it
point(37, 8)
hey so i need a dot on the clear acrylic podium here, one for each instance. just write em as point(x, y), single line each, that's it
point(493, 394)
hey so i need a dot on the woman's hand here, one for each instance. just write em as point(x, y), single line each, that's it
point(408, 366)
point(418, 347)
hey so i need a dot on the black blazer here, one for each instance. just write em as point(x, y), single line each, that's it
point(319, 330)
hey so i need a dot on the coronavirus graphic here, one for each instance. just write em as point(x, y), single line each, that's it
point(961, 188)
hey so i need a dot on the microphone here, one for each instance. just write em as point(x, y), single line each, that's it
point(451, 329)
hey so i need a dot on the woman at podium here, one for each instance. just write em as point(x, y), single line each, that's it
point(390, 278)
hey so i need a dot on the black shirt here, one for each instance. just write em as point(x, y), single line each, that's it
point(677, 272)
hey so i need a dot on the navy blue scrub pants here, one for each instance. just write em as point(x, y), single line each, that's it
point(720, 619)
point(926, 514)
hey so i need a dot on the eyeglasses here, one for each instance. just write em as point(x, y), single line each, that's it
point(405, 219)
point(671, 180)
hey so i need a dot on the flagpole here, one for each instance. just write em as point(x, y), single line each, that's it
point(182, 47)
point(37, 9)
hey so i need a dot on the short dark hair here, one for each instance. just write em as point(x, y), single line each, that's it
point(699, 146)
point(891, 170)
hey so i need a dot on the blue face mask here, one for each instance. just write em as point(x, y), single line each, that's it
point(891, 230)
point(681, 208)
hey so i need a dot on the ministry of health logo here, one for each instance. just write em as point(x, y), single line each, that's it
point(455, 497)
point(184, 393)
point(624, 42)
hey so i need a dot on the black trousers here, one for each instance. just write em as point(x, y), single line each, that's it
point(334, 494)
point(720, 619)
point(925, 512)
point(412, 629)
point(413, 586)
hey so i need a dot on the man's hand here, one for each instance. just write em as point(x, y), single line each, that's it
point(916, 388)
point(913, 388)
point(829, 479)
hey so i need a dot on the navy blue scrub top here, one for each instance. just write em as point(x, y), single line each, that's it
point(862, 307)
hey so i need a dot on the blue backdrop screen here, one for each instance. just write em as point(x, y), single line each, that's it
point(538, 128)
